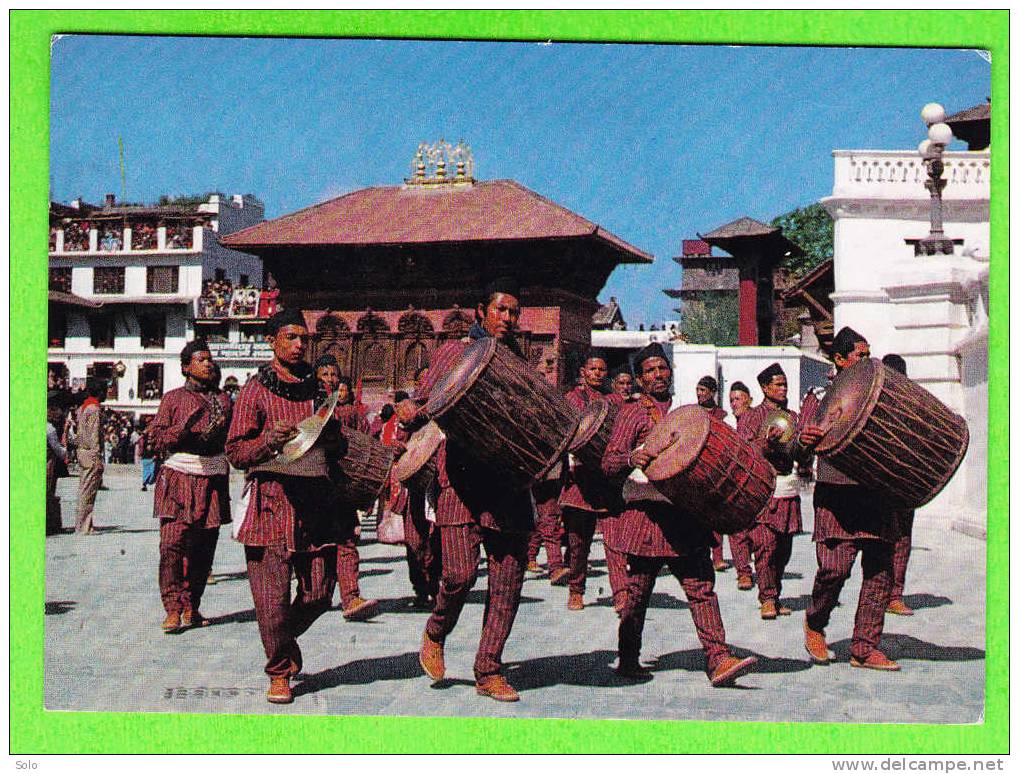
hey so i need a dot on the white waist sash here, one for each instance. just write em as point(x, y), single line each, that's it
point(197, 465)
point(787, 486)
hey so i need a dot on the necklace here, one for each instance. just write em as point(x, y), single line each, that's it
point(306, 389)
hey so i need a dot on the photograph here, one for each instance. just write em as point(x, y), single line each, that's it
point(517, 376)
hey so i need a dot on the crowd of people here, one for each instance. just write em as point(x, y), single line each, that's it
point(297, 519)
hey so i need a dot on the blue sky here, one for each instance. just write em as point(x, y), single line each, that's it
point(654, 143)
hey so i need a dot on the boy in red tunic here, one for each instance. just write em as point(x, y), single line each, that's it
point(348, 560)
point(474, 507)
point(707, 389)
point(290, 526)
point(739, 542)
point(652, 534)
point(848, 520)
point(587, 495)
point(192, 497)
point(771, 538)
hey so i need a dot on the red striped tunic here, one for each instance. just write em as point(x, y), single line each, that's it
point(177, 427)
point(469, 492)
point(645, 528)
point(584, 488)
point(292, 511)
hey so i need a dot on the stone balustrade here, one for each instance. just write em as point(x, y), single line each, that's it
point(873, 174)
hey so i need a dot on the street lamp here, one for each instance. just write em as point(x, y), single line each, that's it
point(939, 135)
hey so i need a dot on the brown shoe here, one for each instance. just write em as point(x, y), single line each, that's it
point(769, 611)
point(816, 646)
point(172, 623)
point(745, 582)
point(876, 660)
point(431, 658)
point(496, 687)
point(721, 566)
point(191, 619)
point(575, 602)
point(534, 567)
point(361, 609)
point(279, 690)
point(559, 577)
point(898, 607)
point(730, 670)
point(783, 610)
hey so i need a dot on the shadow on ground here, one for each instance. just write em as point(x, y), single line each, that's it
point(903, 647)
point(59, 608)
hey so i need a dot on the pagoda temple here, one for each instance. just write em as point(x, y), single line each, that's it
point(756, 250)
point(385, 274)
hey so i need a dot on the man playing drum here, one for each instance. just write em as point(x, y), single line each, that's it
point(849, 519)
point(192, 497)
point(653, 533)
point(348, 560)
point(772, 537)
point(475, 507)
point(739, 542)
point(587, 494)
point(291, 526)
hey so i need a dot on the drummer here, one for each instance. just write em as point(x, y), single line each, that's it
point(849, 520)
point(348, 560)
point(707, 389)
point(587, 494)
point(290, 526)
point(653, 534)
point(474, 507)
point(739, 542)
point(771, 538)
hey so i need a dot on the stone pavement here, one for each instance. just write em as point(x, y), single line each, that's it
point(105, 649)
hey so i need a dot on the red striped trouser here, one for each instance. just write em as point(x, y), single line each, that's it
point(739, 545)
point(900, 560)
point(348, 565)
point(548, 532)
point(835, 560)
point(697, 577)
point(772, 550)
point(507, 561)
point(615, 564)
point(281, 620)
point(186, 553)
point(580, 532)
point(424, 557)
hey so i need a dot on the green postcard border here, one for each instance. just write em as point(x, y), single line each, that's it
point(36, 731)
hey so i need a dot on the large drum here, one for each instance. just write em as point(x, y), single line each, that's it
point(364, 468)
point(593, 432)
point(508, 416)
point(708, 470)
point(891, 435)
point(417, 467)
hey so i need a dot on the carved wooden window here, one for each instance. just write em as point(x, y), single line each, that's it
point(108, 279)
point(456, 323)
point(372, 323)
point(415, 324)
point(415, 357)
point(330, 326)
point(60, 279)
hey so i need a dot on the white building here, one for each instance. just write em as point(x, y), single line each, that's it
point(932, 310)
point(125, 282)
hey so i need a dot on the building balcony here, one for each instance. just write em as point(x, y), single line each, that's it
point(900, 175)
point(72, 242)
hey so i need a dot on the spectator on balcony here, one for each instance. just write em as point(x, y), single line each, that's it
point(268, 300)
point(144, 236)
point(110, 240)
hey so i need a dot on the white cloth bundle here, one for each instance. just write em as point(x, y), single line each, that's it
point(197, 465)
point(787, 486)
